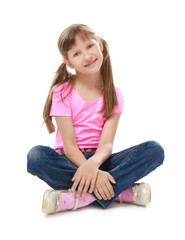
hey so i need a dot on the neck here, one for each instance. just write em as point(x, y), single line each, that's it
point(89, 81)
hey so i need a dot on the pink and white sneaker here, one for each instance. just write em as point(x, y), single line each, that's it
point(139, 194)
point(62, 200)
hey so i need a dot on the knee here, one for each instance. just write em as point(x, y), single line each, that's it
point(157, 151)
point(33, 158)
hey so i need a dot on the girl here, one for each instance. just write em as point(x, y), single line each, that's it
point(87, 107)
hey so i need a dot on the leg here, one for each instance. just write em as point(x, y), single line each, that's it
point(56, 170)
point(130, 165)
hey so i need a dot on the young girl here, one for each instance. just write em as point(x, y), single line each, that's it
point(87, 106)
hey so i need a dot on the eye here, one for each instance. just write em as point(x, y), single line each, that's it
point(90, 45)
point(76, 54)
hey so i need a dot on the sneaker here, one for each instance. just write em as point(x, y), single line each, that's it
point(51, 201)
point(141, 194)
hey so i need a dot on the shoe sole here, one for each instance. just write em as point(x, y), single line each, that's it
point(146, 199)
point(45, 202)
point(148, 189)
point(48, 201)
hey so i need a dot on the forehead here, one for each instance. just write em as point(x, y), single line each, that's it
point(80, 40)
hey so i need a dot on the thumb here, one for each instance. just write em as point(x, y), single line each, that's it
point(74, 176)
point(112, 179)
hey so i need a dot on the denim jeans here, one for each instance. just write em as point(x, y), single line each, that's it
point(126, 166)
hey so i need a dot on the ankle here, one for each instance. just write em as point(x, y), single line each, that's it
point(69, 200)
point(66, 200)
point(85, 200)
point(125, 196)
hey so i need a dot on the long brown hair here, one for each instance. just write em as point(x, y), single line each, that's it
point(65, 42)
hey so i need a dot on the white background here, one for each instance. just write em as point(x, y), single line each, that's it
point(146, 40)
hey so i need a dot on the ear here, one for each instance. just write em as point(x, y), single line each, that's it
point(68, 63)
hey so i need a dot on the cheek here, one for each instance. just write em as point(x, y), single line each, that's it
point(76, 62)
point(99, 52)
point(100, 56)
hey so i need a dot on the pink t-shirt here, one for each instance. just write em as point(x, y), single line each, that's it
point(87, 122)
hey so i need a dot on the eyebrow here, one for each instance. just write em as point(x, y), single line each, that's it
point(76, 49)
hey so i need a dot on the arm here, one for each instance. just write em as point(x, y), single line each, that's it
point(66, 129)
point(90, 168)
point(105, 146)
point(103, 188)
point(87, 171)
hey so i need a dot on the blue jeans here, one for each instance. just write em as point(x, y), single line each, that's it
point(126, 166)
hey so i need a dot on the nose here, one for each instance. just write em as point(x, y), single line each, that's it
point(87, 58)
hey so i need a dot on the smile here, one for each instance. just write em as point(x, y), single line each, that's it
point(90, 64)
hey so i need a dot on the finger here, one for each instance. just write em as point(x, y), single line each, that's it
point(75, 184)
point(73, 178)
point(97, 194)
point(75, 175)
point(80, 187)
point(110, 191)
point(106, 191)
point(86, 187)
point(92, 185)
point(111, 178)
point(102, 193)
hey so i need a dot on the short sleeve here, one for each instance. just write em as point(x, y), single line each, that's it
point(61, 102)
point(119, 108)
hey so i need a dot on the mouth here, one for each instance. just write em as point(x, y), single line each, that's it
point(91, 63)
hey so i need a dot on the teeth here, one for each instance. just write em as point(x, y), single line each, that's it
point(90, 63)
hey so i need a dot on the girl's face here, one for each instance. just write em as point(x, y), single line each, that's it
point(85, 56)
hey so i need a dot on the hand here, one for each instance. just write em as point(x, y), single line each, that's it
point(103, 188)
point(85, 176)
